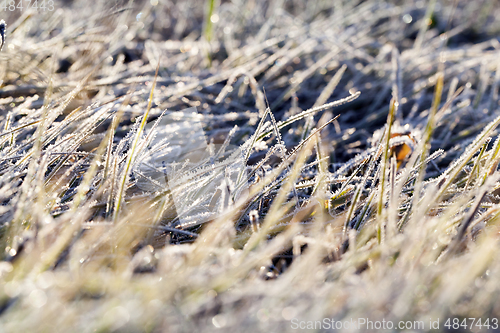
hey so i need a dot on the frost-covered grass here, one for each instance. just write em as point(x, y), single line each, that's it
point(340, 162)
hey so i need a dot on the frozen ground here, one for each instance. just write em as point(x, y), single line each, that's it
point(180, 166)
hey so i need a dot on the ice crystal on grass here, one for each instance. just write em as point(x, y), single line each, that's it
point(188, 166)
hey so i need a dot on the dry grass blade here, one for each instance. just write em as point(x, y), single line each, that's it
point(131, 156)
